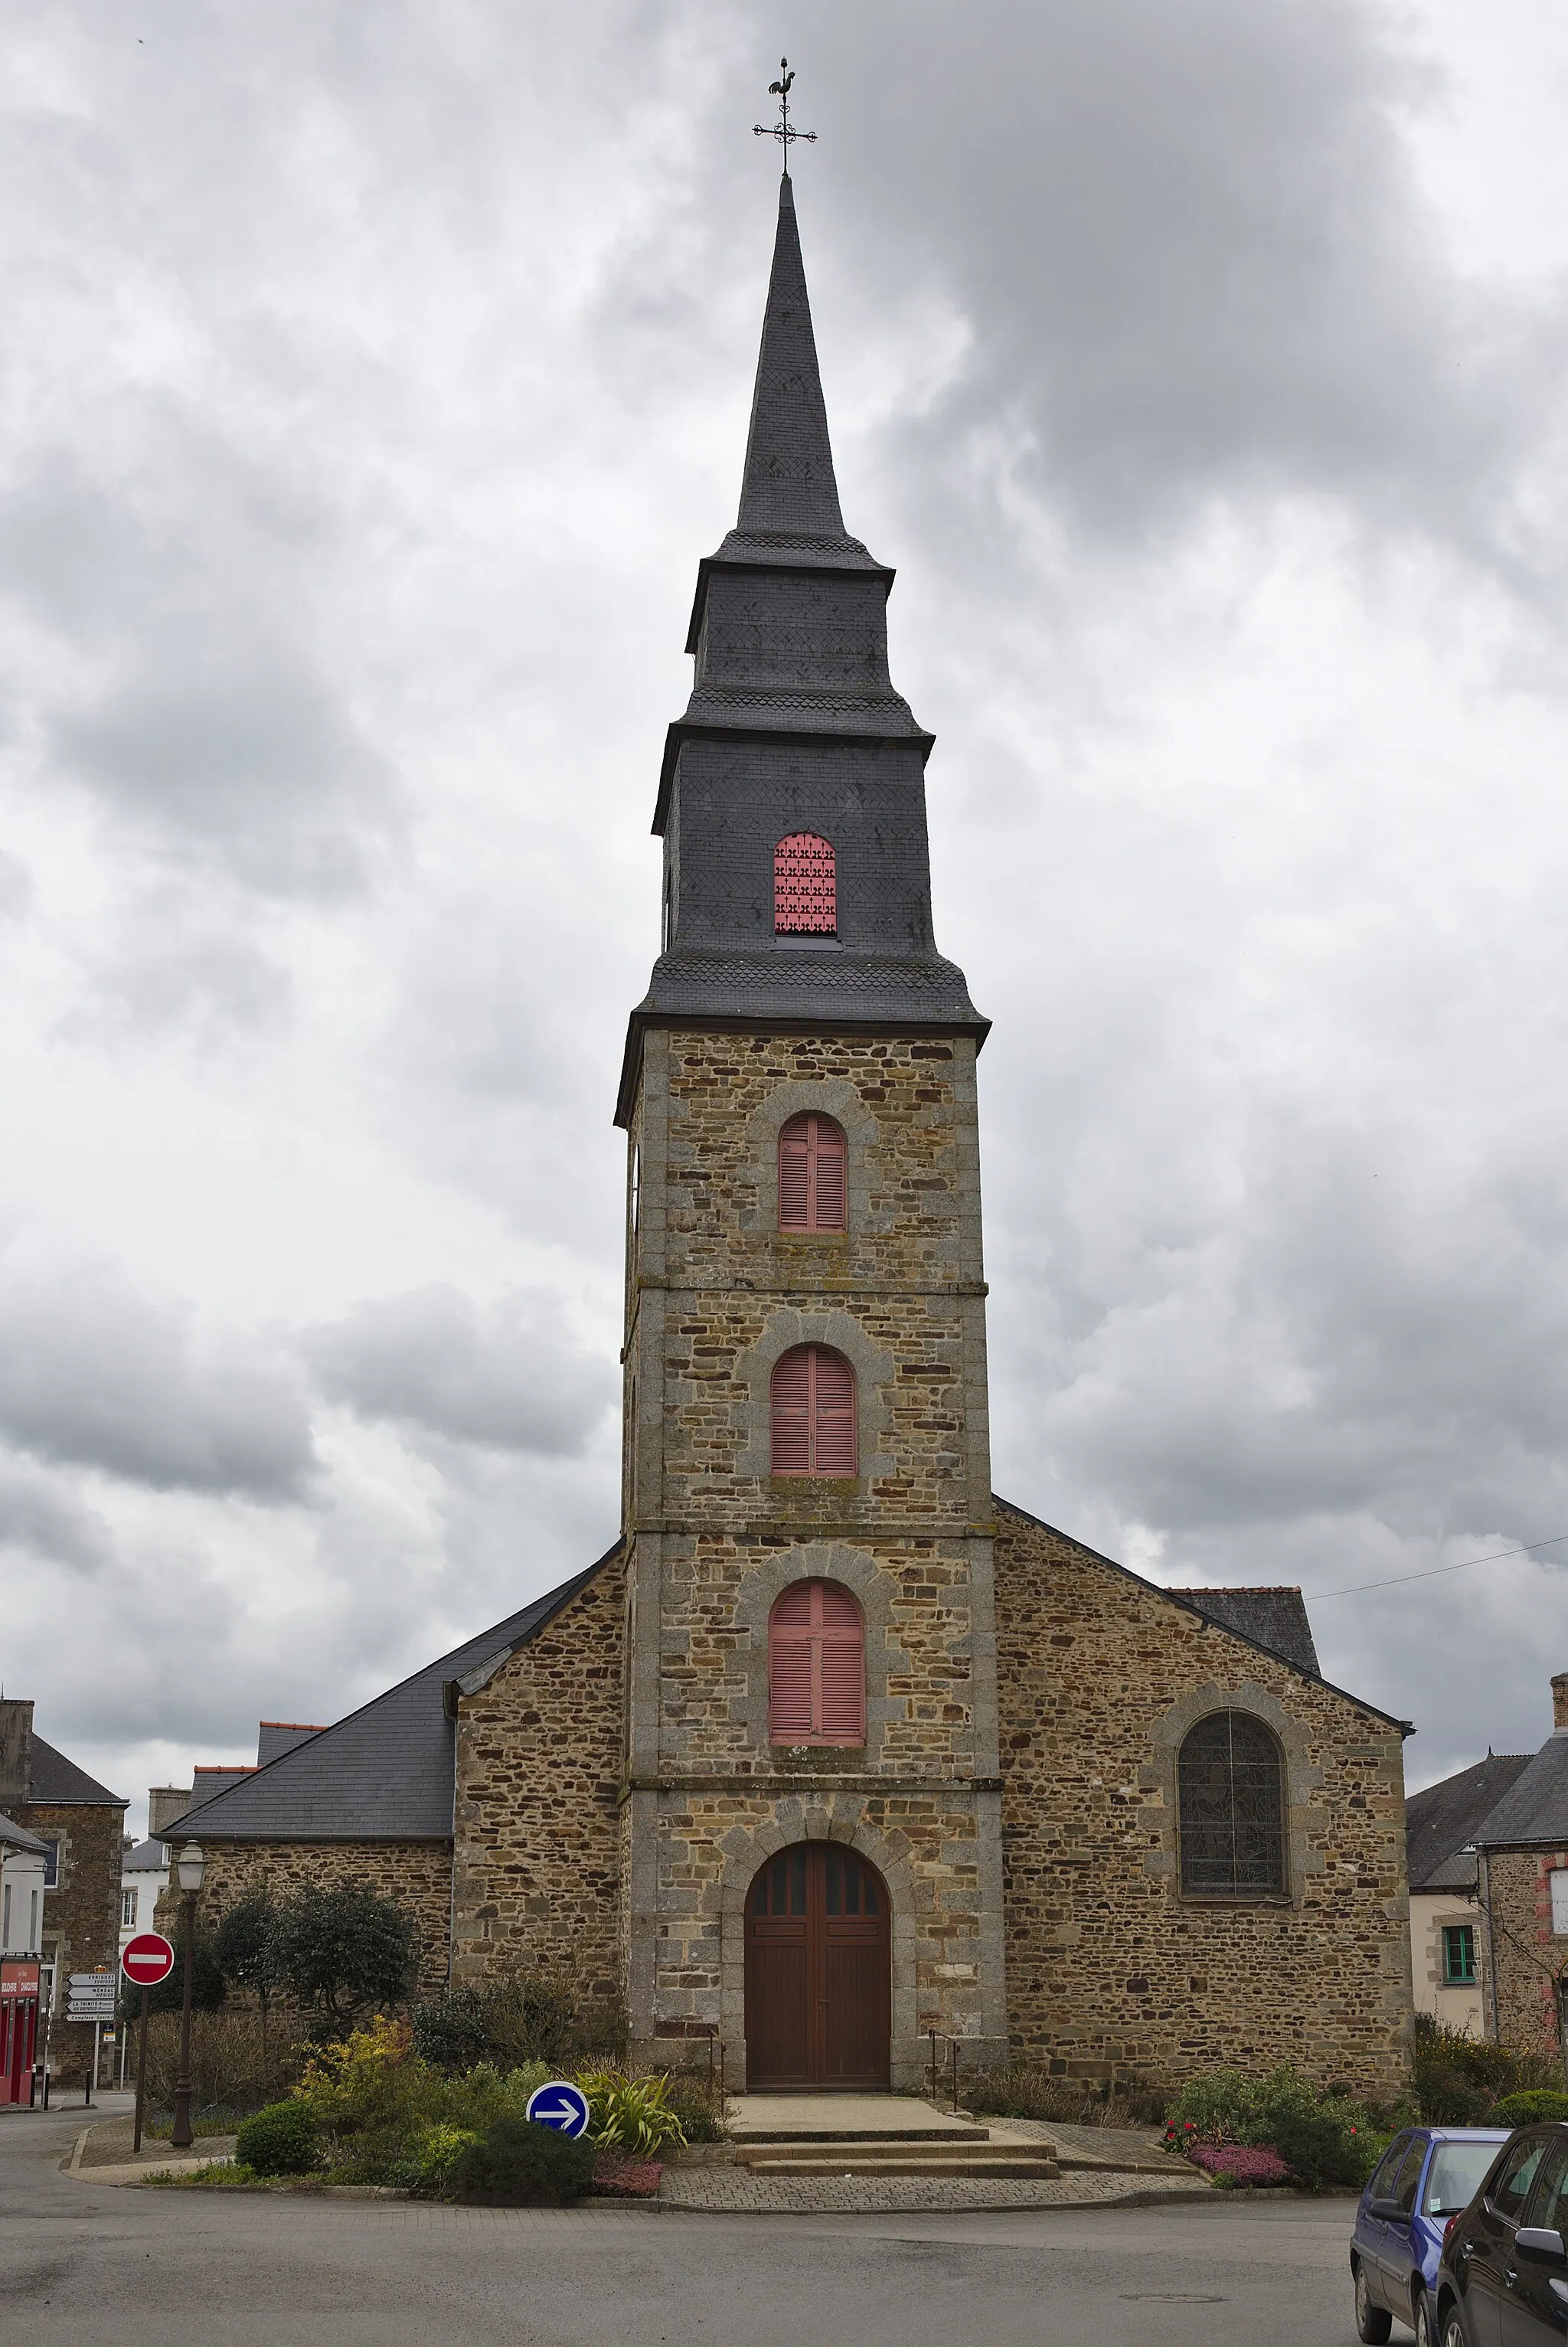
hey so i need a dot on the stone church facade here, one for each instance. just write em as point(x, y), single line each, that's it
point(834, 1749)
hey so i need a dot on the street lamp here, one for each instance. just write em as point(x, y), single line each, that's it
point(190, 1866)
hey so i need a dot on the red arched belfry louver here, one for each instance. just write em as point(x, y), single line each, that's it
point(811, 1174)
point(816, 1666)
point(805, 894)
point(814, 1413)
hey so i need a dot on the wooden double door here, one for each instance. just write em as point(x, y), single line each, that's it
point(818, 1948)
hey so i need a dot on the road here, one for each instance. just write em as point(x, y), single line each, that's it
point(85, 2265)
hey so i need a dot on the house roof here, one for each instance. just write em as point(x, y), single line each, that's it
point(15, 1837)
point(58, 1783)
point(384, 1773)
point(148, 1857)
point(1534, 1808)
point(1440, 1823)
point(276, 1736)
point(1280, 1619)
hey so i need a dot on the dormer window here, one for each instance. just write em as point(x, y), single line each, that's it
point(806, 890)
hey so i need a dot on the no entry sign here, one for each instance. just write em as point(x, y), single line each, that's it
point(147, 1960)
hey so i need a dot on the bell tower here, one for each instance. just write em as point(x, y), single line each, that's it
point(812, 1857)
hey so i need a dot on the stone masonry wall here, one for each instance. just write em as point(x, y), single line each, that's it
point(716, 1294)
point(536, 1872)
point(1110, 1966)
point(416, 1874)
point(1527, 1961)
point(81, 1914)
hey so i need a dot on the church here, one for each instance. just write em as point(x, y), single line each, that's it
point(833, 1748)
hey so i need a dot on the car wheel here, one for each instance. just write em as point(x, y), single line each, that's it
point(1453, 2330)
point(1373, 2324)
point(1426, 2321)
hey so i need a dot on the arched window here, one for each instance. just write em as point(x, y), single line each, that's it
point(805, 894)
point(814, 1413)
point(812, 1155)
point(816, 1666)
point(1232, 1808)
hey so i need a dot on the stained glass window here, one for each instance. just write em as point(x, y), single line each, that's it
point(1232, 1808)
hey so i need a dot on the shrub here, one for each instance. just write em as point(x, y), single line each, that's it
point(1320, 2147)
point(1027, 2090)
point(435, 2154)
point(1323, 2135)
point(515, 2163)
point(1459, 2080)
point(281, 2140)
point(515, 2020)
point(449, 2030)
point(699, 2107)
point(631, 2114)
point(234, 2064)
point(207, 1986)
point(341, 1951)
point(1529, 2108)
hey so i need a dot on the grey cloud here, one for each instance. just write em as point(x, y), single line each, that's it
point(95, 1373)
point(44, 1518)
point(1193, 258)
point(507, 1374)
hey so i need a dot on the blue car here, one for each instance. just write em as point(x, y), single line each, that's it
point(1427, 2174)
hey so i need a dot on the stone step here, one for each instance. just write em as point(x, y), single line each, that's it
point(914, 2159)
point(951, 2132)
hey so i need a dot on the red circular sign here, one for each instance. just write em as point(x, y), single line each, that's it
point(147, 1960)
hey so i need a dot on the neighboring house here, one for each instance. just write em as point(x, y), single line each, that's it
point(833, 1748)
point(1521, 1849)
point(1448, 1943)
point(81, 1826)
point(24, 1862)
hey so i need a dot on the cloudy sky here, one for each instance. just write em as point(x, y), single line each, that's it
point(371, 382)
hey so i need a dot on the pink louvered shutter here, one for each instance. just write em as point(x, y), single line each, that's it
point(792, 1413)
point(816, 1666)
point(790, 1671)
point(834, 1414)
point(828, 1185)
point(795, 1176)
point(841, 1712)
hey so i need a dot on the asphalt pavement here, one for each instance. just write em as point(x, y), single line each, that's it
point(94, 2265)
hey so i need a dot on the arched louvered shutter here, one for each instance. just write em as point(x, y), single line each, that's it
point(816, 1666)
point(814, 1413)
point(805, 887)
point(812, 1186)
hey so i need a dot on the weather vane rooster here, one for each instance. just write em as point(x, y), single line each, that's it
point(784, 130)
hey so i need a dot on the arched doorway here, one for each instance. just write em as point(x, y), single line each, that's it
point(818, 1944)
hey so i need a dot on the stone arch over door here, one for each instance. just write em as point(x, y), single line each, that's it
point(834, 1817)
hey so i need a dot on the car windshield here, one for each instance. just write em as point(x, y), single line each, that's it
point(1457, 2171)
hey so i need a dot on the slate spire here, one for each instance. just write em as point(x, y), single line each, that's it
point(789, 483)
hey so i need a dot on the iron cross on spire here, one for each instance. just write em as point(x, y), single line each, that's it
point(784, 130)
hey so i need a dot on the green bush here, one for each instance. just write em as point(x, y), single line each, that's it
point(1027, 2090)
point(1323, 2134)
point(1460, 2081)
point(517, 2019)
point(1320, 2147)
point(515, 2163)
point(281, 2140)
point(436, 2155)
point(1529, 2108)
point(631, 2114)
point(700, 2110)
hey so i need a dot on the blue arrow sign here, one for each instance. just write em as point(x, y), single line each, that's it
point(562, 2105)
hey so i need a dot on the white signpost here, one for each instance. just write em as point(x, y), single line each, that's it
point(91, 1997)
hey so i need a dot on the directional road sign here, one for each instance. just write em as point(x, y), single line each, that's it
point(147, 1960)
point(562, 2105)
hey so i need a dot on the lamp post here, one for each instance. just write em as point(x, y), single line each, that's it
point(190, 1866)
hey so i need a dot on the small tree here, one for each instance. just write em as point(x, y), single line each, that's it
point(340, 1952)
point(246, 1946)
point(207, 1986)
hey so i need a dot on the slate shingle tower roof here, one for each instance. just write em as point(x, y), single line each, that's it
point(794, 725)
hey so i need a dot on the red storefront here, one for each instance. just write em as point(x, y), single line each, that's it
point(18, 2030)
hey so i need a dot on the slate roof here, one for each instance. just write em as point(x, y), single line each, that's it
point(60, 1784)
point(1534, 1810)
point(276, 1736)
point(15, 1837)
point(1441, 1823)
point(1275, 1618)
point(384, 1773)
point(146, 1858)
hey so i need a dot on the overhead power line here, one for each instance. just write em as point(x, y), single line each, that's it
point(1433, 1572)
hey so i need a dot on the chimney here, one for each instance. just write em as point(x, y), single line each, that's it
point(1560, 1700)
point(16, 1755)
point(163, 1802)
